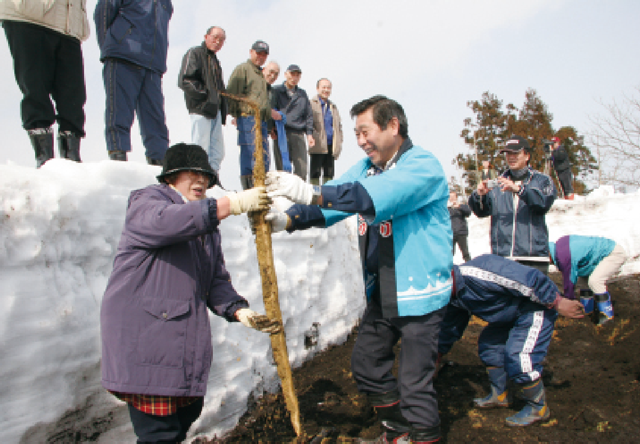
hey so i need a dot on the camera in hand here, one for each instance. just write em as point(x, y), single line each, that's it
point(492, 183)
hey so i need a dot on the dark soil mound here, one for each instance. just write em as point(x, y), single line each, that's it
point(592, 375)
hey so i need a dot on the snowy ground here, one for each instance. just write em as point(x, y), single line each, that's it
point(59, 227)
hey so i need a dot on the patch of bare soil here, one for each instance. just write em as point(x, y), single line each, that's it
point(592, 375)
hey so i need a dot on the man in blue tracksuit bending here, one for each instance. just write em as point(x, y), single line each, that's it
point(400, 194)
point(521, 305)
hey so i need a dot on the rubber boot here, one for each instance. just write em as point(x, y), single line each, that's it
point(604, 307)
point(246, 182)
point(151, 161)
point(586, 299)
point(326, 179)
point(499, 396)
point(42, 143)
point(314, 181)
point(69, 146)
point(569, 197)
point(120, 156)
point(425, 435)
point(536, 408)
point(396, 427)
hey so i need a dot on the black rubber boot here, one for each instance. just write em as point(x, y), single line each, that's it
point(396, 427)
point(118, 155)
point(426, 435)
point(69, 146)
point(151, 161)
point(42, 143)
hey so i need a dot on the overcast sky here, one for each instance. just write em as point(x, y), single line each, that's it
point(431, 56)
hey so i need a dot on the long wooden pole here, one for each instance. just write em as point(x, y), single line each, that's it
point(268, 276)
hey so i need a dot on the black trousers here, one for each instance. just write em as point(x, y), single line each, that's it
point(564, 177)
point(373, 358)
point(322, 164)
point(48, 65)
point(164, 429)
point(461, 240)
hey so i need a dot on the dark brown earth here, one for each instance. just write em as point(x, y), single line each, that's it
point(592, 375)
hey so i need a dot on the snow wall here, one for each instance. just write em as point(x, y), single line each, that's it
point(59, 229)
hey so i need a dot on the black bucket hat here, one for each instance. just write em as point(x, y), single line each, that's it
point(187, 157)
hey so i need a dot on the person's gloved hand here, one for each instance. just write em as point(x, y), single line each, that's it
point(290, 186)
point(254, 199)
point(568, 308)
point(257, 321)
point(278, 220)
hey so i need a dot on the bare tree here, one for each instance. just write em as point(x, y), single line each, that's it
point(616, 137)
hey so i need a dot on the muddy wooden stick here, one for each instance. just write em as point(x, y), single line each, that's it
point(268, 276)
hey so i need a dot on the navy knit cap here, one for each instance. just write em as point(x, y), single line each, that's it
point(187, 157)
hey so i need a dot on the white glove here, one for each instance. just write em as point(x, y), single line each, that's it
point(278, 220)
point(254, 199)
point(290, 186)
point(260, 322)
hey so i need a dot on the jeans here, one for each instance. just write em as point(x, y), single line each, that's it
point(208, 134)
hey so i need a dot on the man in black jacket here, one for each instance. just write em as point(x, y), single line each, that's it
point(295, 105)
point(458, 213)
point(201, 80)
point(562, 166)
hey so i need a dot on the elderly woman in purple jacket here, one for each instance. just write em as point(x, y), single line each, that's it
point(169, 268)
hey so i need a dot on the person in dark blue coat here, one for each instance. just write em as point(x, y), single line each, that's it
point(521, 305)
point(134, 38)
point(517, 206)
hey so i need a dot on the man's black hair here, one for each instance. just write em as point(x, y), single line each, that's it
point(383, 110)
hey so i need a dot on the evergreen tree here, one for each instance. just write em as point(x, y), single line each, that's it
point(486, 133)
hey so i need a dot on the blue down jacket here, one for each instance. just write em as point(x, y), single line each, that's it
point(135, 31)
point(522, 232)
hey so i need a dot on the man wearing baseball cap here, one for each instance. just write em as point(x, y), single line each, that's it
point(293, 101)
point(561, 164)
point(517, 206)
point(248, 81)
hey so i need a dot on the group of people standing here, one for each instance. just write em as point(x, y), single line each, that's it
point(45, 42)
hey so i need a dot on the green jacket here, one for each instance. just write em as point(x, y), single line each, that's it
point(247, 81)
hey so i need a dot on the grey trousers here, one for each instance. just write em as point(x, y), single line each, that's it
point(297, 146)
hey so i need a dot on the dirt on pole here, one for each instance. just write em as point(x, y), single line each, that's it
point(268, 275)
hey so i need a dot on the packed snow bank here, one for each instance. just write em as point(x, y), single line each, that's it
point(59, 229)
point(601, 213)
